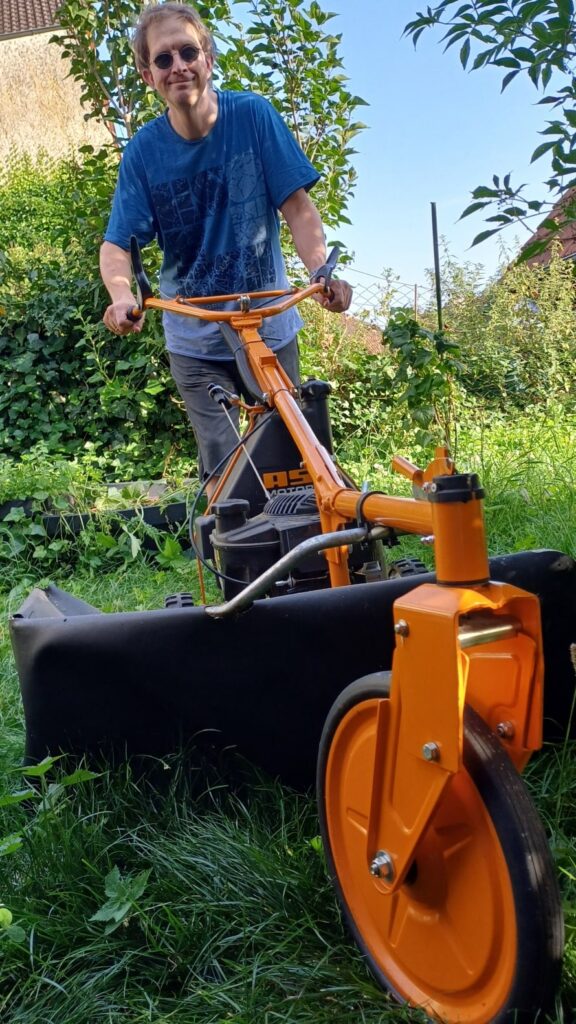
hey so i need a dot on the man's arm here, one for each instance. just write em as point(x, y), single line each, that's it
point(116, 272)
point(305, 226)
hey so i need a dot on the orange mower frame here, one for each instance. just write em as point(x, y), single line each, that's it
point(397, 769)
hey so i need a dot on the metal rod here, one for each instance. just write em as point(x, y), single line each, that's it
point(247, 454)
point(312, 545)
point(437, 266)
point(486, 631)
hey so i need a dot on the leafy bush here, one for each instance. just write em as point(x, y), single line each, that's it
point(426, 371)
point(40, 200)
point(43, 478)
point(351, 357)
point(516, 334)
point(64, 380)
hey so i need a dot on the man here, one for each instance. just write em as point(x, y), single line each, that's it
point(207, 179)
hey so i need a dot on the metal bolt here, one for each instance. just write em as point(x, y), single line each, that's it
point(382, 866)
point(428, 540)
point(402, 628)
point(431, 752)
point(505, 730)
point(429, 488)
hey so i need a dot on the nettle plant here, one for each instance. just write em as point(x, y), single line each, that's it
point(47, 481)
point(39, 489)
point(427, 369)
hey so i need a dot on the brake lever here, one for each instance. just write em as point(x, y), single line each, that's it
point(327, 269)
point(143, 286)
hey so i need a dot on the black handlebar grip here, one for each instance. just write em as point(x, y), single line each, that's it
point(333, 257)
point(134, 314)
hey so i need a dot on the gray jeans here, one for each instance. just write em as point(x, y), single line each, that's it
point(214, 434)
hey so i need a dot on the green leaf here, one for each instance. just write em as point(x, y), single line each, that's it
point(11, 799)
point(36, 771)
point(473, 208)
point(522, 53)
point(483, 192)
point(540, 150)
point(10, 844)
point(135, 545)
point(507, 79)
point(465, 53)
point(483, 236)
point(15, 933)
point(80, 775)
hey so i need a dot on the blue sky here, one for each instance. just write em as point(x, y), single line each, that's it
point(435, 132)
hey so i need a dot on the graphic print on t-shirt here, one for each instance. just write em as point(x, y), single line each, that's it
point(189, 214)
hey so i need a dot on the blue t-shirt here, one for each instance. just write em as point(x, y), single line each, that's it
point(212, 204)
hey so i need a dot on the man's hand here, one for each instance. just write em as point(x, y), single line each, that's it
point(117, 320)
point(338, 297)
point(305, 225)
point(116, 270)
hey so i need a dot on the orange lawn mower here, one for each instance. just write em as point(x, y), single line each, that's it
point(413, 700)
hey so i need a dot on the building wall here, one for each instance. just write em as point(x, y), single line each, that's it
point(39, 107)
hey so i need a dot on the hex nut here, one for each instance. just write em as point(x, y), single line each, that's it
point(382, 866)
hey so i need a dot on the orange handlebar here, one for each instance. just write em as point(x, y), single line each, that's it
point(193, 306)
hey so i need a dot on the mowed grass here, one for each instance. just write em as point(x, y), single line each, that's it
point(224, 912)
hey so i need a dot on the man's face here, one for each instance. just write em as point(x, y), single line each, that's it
point(185, 82)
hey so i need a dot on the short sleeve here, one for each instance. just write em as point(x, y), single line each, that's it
point(286, 167)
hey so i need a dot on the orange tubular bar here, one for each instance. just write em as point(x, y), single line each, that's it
point(193, 307)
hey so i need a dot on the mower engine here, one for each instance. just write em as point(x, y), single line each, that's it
point(243, 548)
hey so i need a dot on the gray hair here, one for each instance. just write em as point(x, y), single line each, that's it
point(158, 12)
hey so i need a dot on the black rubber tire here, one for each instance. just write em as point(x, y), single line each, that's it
point(401, 567)
point(182, 600)
point(519, 831)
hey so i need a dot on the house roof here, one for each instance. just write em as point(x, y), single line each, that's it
point(24, 17)
point(566, 236)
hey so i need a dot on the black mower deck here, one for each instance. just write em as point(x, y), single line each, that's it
point(144, 682)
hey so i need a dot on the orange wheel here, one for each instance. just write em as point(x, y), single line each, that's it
point(475, 934)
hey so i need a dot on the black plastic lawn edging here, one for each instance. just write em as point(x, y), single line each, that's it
point(23, 503)
point(66, 524)
point(153, 515)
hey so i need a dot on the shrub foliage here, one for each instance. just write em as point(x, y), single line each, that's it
point(64, 380)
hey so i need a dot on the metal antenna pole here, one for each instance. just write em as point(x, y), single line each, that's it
point(437, 266)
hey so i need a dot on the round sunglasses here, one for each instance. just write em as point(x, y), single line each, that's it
point(188, 54)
